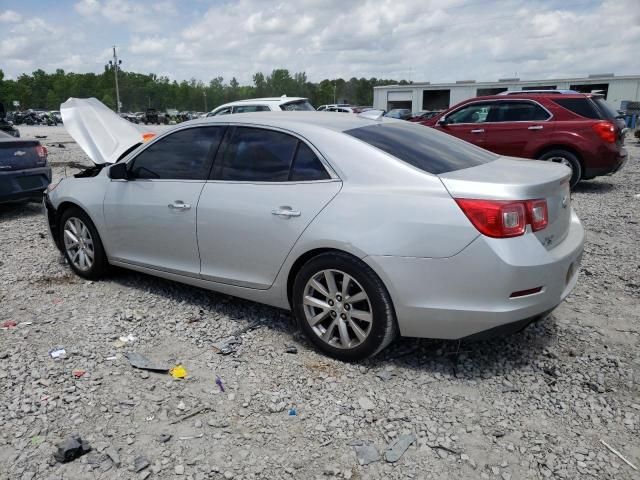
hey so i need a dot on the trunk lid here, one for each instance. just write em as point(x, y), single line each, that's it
point(519, 179)
point(20, 155)
point(101, 133)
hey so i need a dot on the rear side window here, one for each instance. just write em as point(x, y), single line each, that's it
point(423, 147)
point(517, 112)
point(307, 166)
point(256, 155)
point(183, 155)
point(580, 106)
point(250, 108)
point(297, 105)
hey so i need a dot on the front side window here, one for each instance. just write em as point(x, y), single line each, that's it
point(475, 113)
point(517, 112)
point(183, 155)
point(224, 111)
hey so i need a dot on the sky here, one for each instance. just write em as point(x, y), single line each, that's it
point(418, 40)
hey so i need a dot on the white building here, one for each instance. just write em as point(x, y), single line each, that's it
point(439, 96)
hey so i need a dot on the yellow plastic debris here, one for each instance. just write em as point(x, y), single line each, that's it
point(178, 371)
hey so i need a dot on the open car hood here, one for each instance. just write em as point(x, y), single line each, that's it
point(100, 132)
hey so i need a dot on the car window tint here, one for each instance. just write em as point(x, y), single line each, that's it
point(256, 155)
point(475, 113)
point(224, 111)
point(517, 112)
point(425, 148)
point(579, 106)
point(184, 155)
point(250, 108)
point(297, 105)
point(307, 166)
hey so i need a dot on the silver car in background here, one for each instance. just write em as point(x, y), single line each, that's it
point(366, 228)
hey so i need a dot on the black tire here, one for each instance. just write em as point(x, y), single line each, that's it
point(100, 265)
point(383, 327)
point(564, 156)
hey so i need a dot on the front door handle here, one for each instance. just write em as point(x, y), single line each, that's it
point(179, 205)
point(478, 130)
point(535, 127)
point(285, 212)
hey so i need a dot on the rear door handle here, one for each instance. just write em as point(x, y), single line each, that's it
point(285, 212)
point(535, 127)
point(478, 130)
point(179, 205)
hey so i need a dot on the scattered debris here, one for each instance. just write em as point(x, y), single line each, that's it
point(385, 375)
point(293, 412)
point(191, 437)
point(219, 383)
point(228, 345)
point(139, 361)
point(72, 448)
point(618, 454)
point(178, 371)
point(446, 449)
point(140, 463)
point(124, 340)
point(397, 448)
point(290, 349)
point(498, 433)
point(367, 454)
point(58, 352)
point(36, 440)
point(164, 437)
point(112, 453)
point(40, 136)
point(78, 373)
point(9, 324)
point(188, 415)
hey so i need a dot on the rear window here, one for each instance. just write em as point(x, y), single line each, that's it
point(580, 106)
point(423, 147)
point(606, 110)
point(302, 105)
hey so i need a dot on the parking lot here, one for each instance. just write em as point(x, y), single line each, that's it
point(537, 404)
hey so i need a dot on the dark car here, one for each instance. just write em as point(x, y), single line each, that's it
point(401, 113)
point(151, 116)
point(575, 129)
point(24, 170)
point(423, 115)
point(5, 125)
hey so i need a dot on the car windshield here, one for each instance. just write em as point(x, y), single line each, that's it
point(425, 148)
point(605, 108)
point(297, 105)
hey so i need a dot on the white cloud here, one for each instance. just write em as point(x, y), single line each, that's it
point(9, 16)
point(434, 40)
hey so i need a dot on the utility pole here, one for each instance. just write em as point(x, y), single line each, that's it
point(115, 62)
point(205, 100)
point(334, 93)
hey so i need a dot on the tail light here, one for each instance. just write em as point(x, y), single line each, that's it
point(505, 219)
point(606, 131)
point(42, 152)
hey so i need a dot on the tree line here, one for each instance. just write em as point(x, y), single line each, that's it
point(138, 91)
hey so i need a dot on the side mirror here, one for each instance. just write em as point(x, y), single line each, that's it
point(118, 171)
point(444, 121)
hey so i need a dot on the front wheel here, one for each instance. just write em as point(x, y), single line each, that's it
point(343, 307)
point(568, 159)
point(82, 245)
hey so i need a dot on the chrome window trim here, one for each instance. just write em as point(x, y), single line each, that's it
point(499, 100)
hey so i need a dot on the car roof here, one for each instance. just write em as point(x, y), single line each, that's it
point(524, 95)
point(295, 121)
point(261, 101)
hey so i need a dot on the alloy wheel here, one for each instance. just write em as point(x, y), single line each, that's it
point(337, 308)
point(78, 244)
point(564, 161)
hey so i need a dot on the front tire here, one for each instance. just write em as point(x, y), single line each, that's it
point(566, 158)
point(81, 244)
point(343, 307)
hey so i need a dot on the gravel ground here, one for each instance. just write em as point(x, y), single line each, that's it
point(534, 405)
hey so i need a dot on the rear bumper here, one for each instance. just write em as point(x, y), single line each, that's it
point(469, 293)
point(611, 167)
point(24, 184)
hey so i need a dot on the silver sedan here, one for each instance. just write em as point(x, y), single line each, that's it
point(365, 227)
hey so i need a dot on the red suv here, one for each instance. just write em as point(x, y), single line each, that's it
point(576, 129)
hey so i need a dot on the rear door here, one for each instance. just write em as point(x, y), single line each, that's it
point(266, 187)
point(467, 123)
point(516, 128)
point(151, 217)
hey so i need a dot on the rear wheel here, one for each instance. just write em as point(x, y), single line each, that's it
point(82, 245)
point(568, 159)
point(343, 307)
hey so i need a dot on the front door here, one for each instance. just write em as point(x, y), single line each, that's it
point(151, 216)
point(266, 187)
point(467, 123)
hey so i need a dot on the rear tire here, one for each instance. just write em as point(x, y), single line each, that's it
point(343, 307)
point(81, 244)
point(566, 158)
